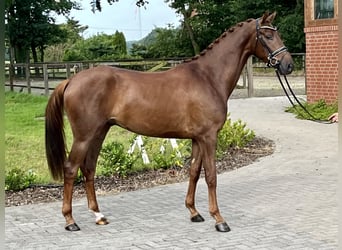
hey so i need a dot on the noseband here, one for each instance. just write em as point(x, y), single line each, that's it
point(272, 60)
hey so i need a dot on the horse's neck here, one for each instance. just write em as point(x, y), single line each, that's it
point(227, 58)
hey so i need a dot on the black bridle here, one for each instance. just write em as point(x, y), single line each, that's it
point(272, 55)
point(274, 63)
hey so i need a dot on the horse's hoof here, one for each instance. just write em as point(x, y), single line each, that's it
point(222, 227)
point(102, 221)
point(197, 218)
point(72, 227)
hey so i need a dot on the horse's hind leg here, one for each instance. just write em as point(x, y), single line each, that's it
point(195, 170)
point(76, 158)
point(88, 171)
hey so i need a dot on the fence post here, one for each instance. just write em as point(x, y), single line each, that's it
point(244, 77)
point(27, 73)
point(11, 68)
point(68, 70)
point(46, 79)
point(250, 76)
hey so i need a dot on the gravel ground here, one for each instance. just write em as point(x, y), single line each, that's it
point(234, 159)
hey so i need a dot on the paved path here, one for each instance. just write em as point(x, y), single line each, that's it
point(284, 201)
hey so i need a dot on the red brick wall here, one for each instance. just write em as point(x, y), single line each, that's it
point(321, 63)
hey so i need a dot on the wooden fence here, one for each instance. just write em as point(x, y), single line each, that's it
point(45, 76)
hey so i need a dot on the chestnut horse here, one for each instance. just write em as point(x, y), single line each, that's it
point(187, 101)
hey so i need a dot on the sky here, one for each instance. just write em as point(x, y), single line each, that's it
point(124, 16)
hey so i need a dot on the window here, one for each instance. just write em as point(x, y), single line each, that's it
point(324, 9)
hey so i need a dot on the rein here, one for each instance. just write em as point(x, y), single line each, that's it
point(314, 119)
point(274, 63)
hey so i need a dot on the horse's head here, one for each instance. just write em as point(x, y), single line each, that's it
point(269, 47)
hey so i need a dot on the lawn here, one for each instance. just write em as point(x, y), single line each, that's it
point(24, 134)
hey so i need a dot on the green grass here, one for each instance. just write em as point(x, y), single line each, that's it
point(320, 110)
point(25, 131)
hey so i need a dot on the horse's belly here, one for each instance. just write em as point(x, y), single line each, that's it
point(156, 125)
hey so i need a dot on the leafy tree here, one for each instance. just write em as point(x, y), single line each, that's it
point(187, 9)
point(211, 19)
point(73, 30)
point(138, 50)
point(119, 41)
point(290, 20)
point(98, 47)
point(30, 25)
point(291, 27)
point(163, 43)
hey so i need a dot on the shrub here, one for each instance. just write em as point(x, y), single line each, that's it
point(17, 179)
point(167, 156)
point(114, 159)
point(233, 135)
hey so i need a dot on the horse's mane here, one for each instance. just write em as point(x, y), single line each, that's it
point(217, 40)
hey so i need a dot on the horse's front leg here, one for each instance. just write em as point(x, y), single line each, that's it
point(209, 147)
point(194, 172)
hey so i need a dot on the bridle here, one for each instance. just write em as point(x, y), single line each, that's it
point(272, 55)
point(274, 63)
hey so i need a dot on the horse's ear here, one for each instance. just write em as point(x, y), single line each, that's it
point(268, 18)
point(271, 17)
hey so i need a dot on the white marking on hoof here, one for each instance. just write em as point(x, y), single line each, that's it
point(98, 216)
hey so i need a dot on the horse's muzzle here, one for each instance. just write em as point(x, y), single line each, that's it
point(286, 65)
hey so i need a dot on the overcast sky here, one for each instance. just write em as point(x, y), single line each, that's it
point(124, 16)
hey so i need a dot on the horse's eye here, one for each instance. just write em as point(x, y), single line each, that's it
point(269, 36)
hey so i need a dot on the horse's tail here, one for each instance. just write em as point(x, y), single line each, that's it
point(54, 132)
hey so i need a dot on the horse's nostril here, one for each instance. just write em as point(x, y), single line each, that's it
point(290, 68)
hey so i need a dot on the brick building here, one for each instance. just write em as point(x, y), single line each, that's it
point(321, 35)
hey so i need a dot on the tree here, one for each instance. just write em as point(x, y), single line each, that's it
point(99, 47)
point(119, 42)
point(290, 18)
point(73, 30)
point(167, 43)
point(291, 27)
point(188, 10)
point(138, 50)
point(31, 26)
